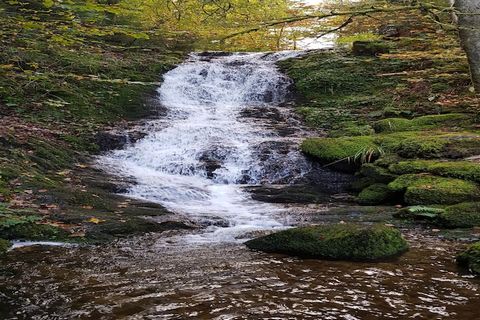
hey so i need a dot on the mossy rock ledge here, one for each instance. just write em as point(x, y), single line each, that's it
point(351, 242)
point(470, 259)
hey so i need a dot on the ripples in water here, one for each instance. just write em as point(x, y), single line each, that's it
point(150, 278)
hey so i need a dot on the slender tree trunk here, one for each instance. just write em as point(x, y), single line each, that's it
point(470, 35)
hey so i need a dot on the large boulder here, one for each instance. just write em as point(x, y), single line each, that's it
point(424, 189)
point(335, 242)
point(462, 215)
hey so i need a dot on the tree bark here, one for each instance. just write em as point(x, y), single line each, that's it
point(469, 26)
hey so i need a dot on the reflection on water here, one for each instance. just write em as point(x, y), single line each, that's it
point(152, 278)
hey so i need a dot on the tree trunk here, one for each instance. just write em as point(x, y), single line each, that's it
point(470, 36)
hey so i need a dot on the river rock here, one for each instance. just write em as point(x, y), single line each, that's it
point(112, 140)
point(335, 242)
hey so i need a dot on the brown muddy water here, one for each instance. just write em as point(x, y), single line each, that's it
point(164, 277)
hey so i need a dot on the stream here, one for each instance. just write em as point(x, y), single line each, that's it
point(226, 126)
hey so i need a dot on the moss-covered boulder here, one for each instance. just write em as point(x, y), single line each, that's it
point(470, 259)
point(375, 194)
point(455, 169)
point(462, 215)
point(429, 144)
point(4, 245)
point(421, 123)
point(344, 154)
point(428, 189)
point(334, 242)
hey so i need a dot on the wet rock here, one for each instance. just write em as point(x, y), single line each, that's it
point(287, 194)
point(213, 160)
point(176, 225)
point(214, 221)
point(335, 242)
point(111, 140)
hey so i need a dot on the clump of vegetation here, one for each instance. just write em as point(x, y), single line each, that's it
point(420, 213)
point(426, 189)
point(470, 258)
point(462, 215)
point(335, 242)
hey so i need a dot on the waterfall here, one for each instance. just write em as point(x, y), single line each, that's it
point(196, 159)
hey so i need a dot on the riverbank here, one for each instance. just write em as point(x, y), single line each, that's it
point(63, 84)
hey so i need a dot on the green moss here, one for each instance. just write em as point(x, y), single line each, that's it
point(432, 144)
point(427, 189)
point(347, 150)
point(351, 129)
point(4, 245)
point(422, 123)
point(456, 169)
point(412, 145)
point(463, 215)
point(334, 242)
point(470, 258)
point(375, 194)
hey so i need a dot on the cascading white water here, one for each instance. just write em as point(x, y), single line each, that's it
point(196, 158)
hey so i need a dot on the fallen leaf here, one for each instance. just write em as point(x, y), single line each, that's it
point(95, 220)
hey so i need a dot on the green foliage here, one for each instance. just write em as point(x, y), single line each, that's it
point(470, 258)
point(419, 212)
point(426, 189)
point(455, 169)
point(463, 215)
point(422, 123)
point(334, 242)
